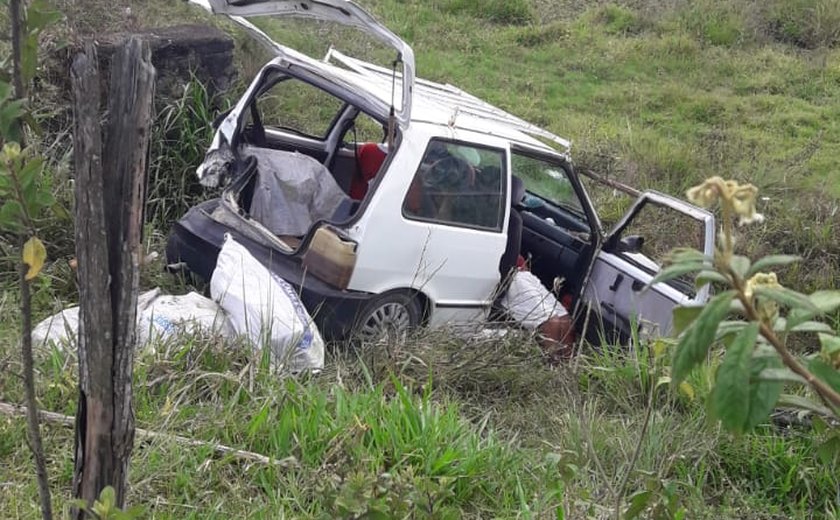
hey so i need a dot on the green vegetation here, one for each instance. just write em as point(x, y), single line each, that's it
point(654, 94)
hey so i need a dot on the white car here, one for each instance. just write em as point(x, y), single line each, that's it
point(406, 226)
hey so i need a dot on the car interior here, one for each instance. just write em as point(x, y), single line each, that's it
point(289, 115)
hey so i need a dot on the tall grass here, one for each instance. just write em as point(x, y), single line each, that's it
point(438, 427)
point(180, 137)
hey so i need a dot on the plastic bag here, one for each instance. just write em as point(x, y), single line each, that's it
point(166, 316)
point(265, 308)
point(60, 329)
point(159, 317)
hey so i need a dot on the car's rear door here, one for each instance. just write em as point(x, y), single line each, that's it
point(343, 12)
point(623, 269)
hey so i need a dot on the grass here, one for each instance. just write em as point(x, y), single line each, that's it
point(655, 94)
point(439, 428)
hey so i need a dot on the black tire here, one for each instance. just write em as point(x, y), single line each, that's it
point(388, 316)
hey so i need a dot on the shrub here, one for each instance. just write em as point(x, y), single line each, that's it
point(805, 23)
point(510, 12)
point(537, 35)
point(715, 24)
point(620, 20)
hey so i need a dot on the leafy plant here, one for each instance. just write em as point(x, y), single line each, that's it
point(22, 189)
point(753, 316)
point(105, 507)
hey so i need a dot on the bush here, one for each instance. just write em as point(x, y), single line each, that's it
point(620, 20)
point(537, 35)
point(510, 12)
point(715, 24)
point(805, 23)
point(182, 132)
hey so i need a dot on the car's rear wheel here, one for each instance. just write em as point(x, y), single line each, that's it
point(387, 317)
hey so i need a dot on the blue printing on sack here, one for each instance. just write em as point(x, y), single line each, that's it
point(302, 315)
point(164, 323)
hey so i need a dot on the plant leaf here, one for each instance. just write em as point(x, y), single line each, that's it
point(827, 373)
point(826, 301)
point(729, 327)
point(829, 451)
point(638, 503)
point(707, 275)
point(763, 393)
point(696, 340)
point(34, 255)
point(830, 343)
point(675, 271)
point(787, 297)
point(731, 395)
point(685, 316)
point(781, 375)
point(811, 326)
point(796, 401)
point(740, 265)
point(10, 215)
point(772, 261)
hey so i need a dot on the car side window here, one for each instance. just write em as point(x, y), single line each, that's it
point(459, 184)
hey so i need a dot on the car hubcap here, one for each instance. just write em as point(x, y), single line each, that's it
point(387, 321)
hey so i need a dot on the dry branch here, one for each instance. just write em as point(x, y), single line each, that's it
point(220, 449)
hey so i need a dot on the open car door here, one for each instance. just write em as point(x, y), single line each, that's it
point(633, 255)
point(343, 12)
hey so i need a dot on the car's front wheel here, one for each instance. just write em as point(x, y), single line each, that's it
point(389, 316)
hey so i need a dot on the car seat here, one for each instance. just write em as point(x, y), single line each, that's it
point(370, 159)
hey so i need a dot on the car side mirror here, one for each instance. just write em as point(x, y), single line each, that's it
point(631, 244)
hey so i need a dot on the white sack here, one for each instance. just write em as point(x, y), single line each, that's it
point(167, 316)
point(158, 317)
point(61, 329)
point(292, 191)
point(265, 308)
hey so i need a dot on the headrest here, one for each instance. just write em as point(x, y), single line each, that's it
point(517, 190)
point(371, 157)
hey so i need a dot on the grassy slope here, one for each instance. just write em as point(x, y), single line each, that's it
point(659, 97)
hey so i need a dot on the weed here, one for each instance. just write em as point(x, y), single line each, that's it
point(181, 135)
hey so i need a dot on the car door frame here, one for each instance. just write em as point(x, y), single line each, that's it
point(641, 278)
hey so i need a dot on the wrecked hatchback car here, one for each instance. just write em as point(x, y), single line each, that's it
point(408, 228)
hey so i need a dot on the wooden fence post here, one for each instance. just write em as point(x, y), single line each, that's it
point(110, 193)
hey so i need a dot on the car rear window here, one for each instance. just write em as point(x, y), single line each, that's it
point(459, 184)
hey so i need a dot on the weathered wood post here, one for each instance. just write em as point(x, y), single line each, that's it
point(110, 193)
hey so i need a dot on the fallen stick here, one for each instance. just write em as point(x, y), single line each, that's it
point(66, 420)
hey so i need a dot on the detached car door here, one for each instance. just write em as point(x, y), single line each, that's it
point(633, 254)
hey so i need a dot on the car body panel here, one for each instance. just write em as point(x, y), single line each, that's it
point(455, 267)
